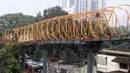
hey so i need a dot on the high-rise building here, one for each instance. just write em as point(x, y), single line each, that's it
point(70, 10)
point(103, 3)
point(76, 6)
point(64, 3)
point(72, 3)
point(68, 5)
point(89, 5)
point(98, 4)
point(82, 5)
point(94, 4)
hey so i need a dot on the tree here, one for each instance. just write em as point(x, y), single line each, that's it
point(38, 17)
point(53, 12)
point(106, 45)
point(50, 13)
point(69, 56)
point(37, 55)
point(9, 21)
point(9, 56)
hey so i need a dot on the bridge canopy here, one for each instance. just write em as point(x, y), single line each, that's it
point(101, 24)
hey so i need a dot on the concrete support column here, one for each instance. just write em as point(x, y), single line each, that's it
point(90, 61)
point(0, 68)
point(23, 58)
point(45, 61)
point(128, 42)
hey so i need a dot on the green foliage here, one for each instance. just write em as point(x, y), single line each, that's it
point(50, 13)
point(13, 66)
point(124, 45)
point(15, 20)
point(118, 42)
point(0, 33)
point(37, 55)
point(69, 56)
point(128, 47)
point(38, 17)
point(106, 45)
point(53, 12)
point(9, 55)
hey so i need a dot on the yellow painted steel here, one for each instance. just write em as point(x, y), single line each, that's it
point(85, 25)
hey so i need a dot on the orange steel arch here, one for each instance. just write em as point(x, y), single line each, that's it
point(78, 26)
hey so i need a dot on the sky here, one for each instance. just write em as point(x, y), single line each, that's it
point(31, 7)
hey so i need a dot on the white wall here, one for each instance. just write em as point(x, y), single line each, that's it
point(70, 10)
point(88, 5)
point(64, 3)
point(110, 66)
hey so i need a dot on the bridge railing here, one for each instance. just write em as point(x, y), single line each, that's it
point(94, 24)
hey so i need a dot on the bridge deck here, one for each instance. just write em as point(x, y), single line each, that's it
point(75, 41)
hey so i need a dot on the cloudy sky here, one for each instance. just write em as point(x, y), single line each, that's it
point(31, 7)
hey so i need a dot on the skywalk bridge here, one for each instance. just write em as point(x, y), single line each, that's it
point(95, 26)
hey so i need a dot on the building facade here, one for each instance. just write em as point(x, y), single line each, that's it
point(76, 6)
point(98, 4)
point(81, 6)
point(64, 3)
point(68, 5)
point(110, 61)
